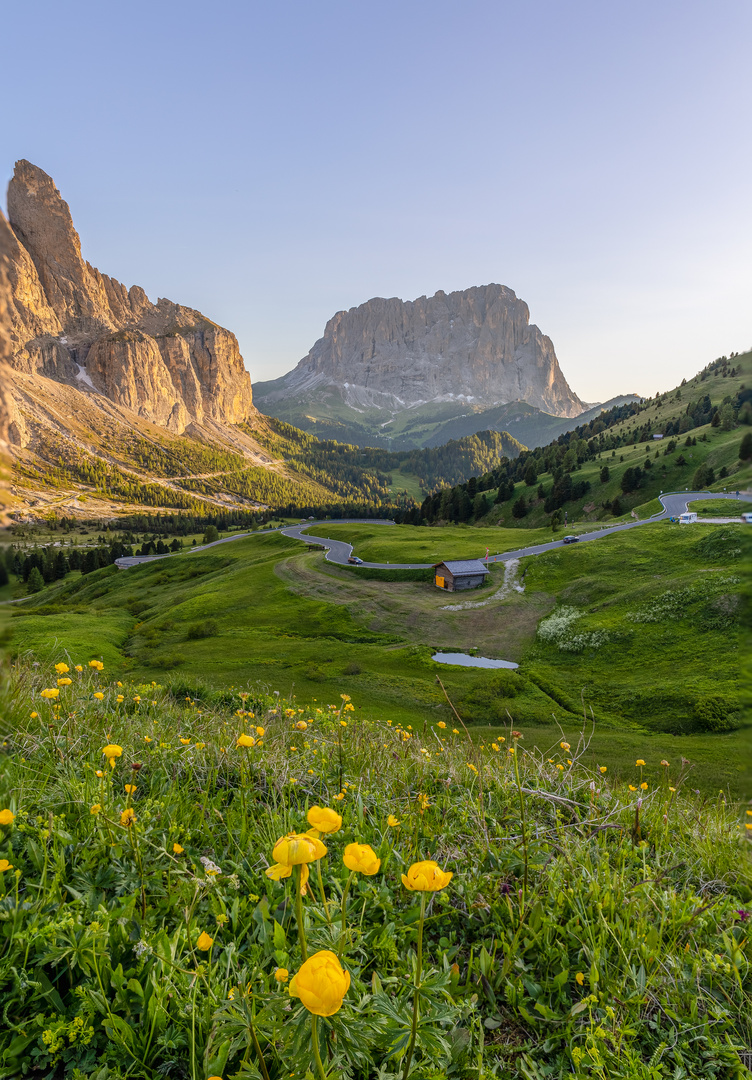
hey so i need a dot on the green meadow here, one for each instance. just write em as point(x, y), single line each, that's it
point(637, 633)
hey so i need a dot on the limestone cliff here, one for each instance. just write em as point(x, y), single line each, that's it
point(67, 321)
point(477, 345)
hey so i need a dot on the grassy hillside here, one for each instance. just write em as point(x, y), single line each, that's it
point(580, 926)
point(657, 648)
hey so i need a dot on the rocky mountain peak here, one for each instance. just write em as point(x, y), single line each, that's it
point(69, 322)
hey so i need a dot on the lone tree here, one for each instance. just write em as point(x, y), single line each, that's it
point(605, 474)
point(745, 450)
point(211, 534)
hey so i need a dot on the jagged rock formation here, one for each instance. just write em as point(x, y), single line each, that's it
point(477, 346)
point(68, 322)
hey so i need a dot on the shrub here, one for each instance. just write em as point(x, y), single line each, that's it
point(353, 669)
point(205, 629)
point(166, 661)
point(715, 714)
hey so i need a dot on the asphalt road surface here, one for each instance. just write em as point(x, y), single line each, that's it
point(674, 504)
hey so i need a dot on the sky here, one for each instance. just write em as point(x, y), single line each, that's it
point(271, 164)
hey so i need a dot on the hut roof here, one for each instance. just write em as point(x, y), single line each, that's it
point(461, 567)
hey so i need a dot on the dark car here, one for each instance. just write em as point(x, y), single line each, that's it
point(355, 560)
point(570, 539)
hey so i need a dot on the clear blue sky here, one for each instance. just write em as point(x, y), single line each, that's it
point(272, 163)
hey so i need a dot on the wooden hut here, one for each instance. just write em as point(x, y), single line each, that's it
point(464, 574)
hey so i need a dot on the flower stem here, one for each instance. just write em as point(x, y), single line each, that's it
point(315, 1041)
point(345, 891)
point(524, 824)
point(416, 995)
point(323, 894)
point(299, 913)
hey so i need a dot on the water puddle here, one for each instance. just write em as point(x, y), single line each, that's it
point(465, 660)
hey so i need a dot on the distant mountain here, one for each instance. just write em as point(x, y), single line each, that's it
point(392, 372)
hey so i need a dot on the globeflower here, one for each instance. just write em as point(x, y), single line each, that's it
point(96, 808)
point(5, 865)
point(204, 942)
point(361, 858)
point(99, 695)
point(260, 732)
point(281, 975)
point(127, 817)
point(301, 725)
point(178, 849)
point(321, 983)
point(62, 669)
point(278, 871)
point(112, 751)
point(297, 848)
point(639, 763)
point(245, 740)
point(96, 665)
point(64, 682)
point(50, 694)
point(426, 877)
point(6, 817)
point(324, 820)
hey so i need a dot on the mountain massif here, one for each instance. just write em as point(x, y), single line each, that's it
point(393, 369)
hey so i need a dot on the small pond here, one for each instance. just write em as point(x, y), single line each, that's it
point(465, 660)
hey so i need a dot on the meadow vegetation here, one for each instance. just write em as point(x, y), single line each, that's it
point(471, 909)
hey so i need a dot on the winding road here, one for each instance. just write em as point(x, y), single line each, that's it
point(674, 503)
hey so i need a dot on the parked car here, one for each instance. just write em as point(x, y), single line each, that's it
point(355, 560)
point(570, 539)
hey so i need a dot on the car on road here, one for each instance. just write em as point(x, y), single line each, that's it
point(355, 560)
point(570, 539)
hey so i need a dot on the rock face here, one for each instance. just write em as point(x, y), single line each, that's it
point(67, 321)
point(477, 345)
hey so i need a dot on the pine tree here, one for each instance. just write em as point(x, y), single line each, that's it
point(35, 581)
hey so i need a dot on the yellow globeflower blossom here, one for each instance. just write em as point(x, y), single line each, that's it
point(6, 817)
point(362, 859)
point(441, 724)
point(99, 695)
point(50, 694)
point(602, 768)
point(5, 865)
point(297, 848)
point(278, 871)
point(185, 742)
point(471, 766)
point(324, 820)
point(644, 786)
point(64, 682)
point(62, 669)
point(245, 740)
point(112, 751)
point(580, 978)
point(204, 942)
point(632, 787)
point(96, 808)
point(128, 817)
point(130, 788)
point(281, 975)
point(119, 699)
point(260, 732)
point(35, 716)
point(426, 876)
point(96, 665)
point(343, 723)
point(565, 746)
point(321, 983)
point(301, 725)
point(639, 762)
point(665, 763)
point(178, 850)
point(79, 668)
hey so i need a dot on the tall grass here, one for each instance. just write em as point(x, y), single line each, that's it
point(591, 929)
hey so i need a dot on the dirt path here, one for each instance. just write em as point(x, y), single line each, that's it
point(510, 584)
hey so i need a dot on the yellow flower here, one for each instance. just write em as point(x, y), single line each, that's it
point(441, 724)
point(362, 859)
point(580, 978)
point(130, 788)
point(278, 871)
point(119, 699)
point(35, 716)
point(64, 682)
point(565, 746)
point(324, 820)
point(128, 817)
point(602, 768)
point(639, 762)
point(204, 942)
point(99, 773)
point(97, 665)
point(79, 668)
point(632, 787)
point(6, 817)
point(178, 849)
point(343, 723)
point(185, 742)
point(301, 725)
point(201, 746)
point(99, 695)
point(426, 877)
point(393, 821)
point(112, 751)
point(340, 797)
point(672, 789)
point(297, 848)
point(245, 740)
point(455, 731)
point(471, 766)
point(321, 983)
point(50, 694)
point(5, 865)
point(644, 786)
point(147, 739)
point(96, 808)
point(281, 975)
point(560, 766)
point(664, 763)
point(62, 669)
point(260, 732)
